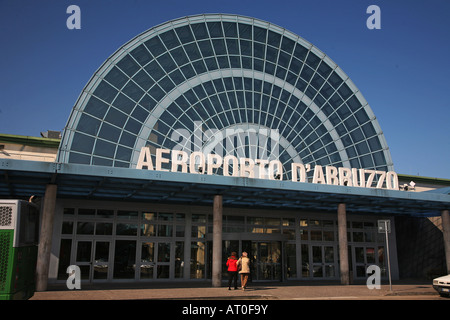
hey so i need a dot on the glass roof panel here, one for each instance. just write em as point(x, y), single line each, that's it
point(222, 71)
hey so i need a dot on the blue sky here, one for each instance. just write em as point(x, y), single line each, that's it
point(402, 69)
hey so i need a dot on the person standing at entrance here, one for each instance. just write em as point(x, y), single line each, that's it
point(244, 265)
point(232, 270)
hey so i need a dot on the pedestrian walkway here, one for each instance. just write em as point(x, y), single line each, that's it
point(260, 291)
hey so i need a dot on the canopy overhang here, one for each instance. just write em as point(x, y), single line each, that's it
point(21, 179)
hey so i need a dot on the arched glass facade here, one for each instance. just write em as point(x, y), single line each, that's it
point(210, 73)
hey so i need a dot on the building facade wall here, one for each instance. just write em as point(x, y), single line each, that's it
point(421, 184)
point(114, 242)
point(420, 244)
point(24, 152)
point(28, 148)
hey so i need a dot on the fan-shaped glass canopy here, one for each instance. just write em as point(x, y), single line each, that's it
point(183, 81)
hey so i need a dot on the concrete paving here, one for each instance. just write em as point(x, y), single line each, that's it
point(297, 290)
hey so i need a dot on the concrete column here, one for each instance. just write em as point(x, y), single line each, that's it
point(446, 233)
point(343, 244)
point(45, 240)
point(217, 242)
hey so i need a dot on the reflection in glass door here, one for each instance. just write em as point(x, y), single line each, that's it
point(93, 259)
point(84, 258)
point(147, 260)
point(290, 260)
point(265, 258)
point(124, 259)
point(163, 262)
point(101, 260)
point(156, 260)
point(364, 256)
point(323, 261)
point(198, 260)
point(269, 261)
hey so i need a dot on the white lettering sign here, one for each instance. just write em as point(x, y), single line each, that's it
point(199, 163)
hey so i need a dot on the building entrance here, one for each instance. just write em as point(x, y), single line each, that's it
point(137, 244)
point(265, 256)
point(93, 259)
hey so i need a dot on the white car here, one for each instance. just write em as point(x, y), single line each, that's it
point(442, 285)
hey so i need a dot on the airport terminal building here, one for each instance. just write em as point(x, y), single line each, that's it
point(217, 133)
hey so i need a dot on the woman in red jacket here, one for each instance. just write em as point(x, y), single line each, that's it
point(232, 270)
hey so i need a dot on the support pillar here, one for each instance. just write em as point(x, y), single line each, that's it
point(446, 234)
point(343, 244)
point(45, 239)
point(217, 241)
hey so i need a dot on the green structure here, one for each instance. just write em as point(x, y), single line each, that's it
point(19, 221)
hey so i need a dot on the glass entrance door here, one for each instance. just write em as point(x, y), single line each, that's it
point(101, 260)
point(265, 259)
point(163, 261)
point(364, 256)
point(83, 258)
point(324, 261)
point(155, 260)
point(93, 259)
point(268, 260)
